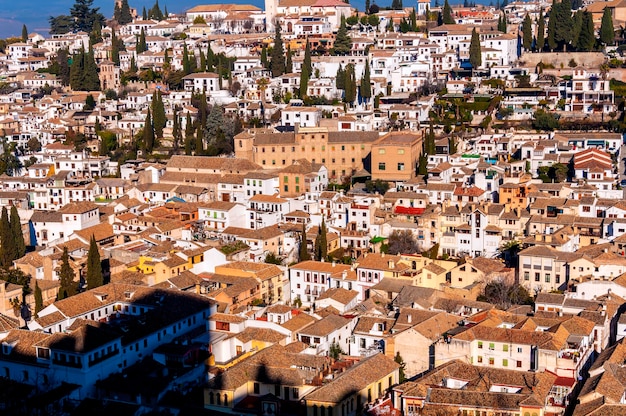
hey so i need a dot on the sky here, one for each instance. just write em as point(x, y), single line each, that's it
point(35, 13)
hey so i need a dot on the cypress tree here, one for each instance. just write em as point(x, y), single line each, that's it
point(321, 245)
point(366, 83)
point(7, 242)
point(38, 299)
point(446, 14)
point(144, 14)
point(125, 16)
point(475, 57)
point(142, 46)
point(94, 266)
point(177, 133)
point(587, 39)
point(91, 79)
point(303, 253)
point(188, 135)
point(288, 62)
point(24, 34)
point(210, 58)
point(607, 32)
point(422, 166)
point(390, 26)
point(552, 43)
point(115, 48)
point(340, 78)
point(158, 114)
point(18, 235)
point(305, 72)
point(77, 70)
point(133, 65)
point(264, 61)
point(186, 60)
point(541, 32)
point(199, 145)
point(277, 64)
point(148, 133)
point(350, 85)
point(66, 277)
point(343, 42)
point(577, 25)
point(527, 29)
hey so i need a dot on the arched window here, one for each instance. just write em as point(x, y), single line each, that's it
point(219, 399)
point(314, 410)
point(225, 399)
point(211, 398)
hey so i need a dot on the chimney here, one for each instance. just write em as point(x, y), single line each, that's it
point(344, 275)
point(382, 255)
point(409, 318)
point(334, 263)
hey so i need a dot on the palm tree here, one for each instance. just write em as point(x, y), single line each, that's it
point(262, 84)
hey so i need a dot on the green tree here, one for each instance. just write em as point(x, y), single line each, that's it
point(396, 4)
point(446, 14)
point(340, 78)
point(545, 121)
point(122, 13)
point(577, 25)
point(158, 114)
point(60, 25)
point(141, 44)
point(148, 134)
point(350, 85)
point(321, 244)
point(288, 61)
point(8, 251)
point(541, 31)
point(366, 83)
point(155, 12)
point(38, 299)
point(303, 252)
point(94, 266)
point(90, 103)
point(373, 20)
point(306, 70)
point(607, 32)
point(475, 56)
point(115, 48)
point(527, 30)
point(84, 16)
point(343, 42)
point(24, 34)
point(177, 134)
point(277, 64)
point(264, 61)
point(16, 232)
point(586, 39)
point(144, 14)
point(66, 277)
point(398, 359)
point(422, 167)
point(272, 258)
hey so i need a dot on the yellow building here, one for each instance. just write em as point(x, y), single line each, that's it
point(341, 152)
point(395, 156)
point(270, 277)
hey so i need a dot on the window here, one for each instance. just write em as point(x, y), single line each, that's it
point(519, 364)
point(505, 362)
point(257, 388)
point(400, 151)
point(400, 166)
point(381, 166)
point(526, 275)
point(519, 350)
point(537, 277)
point(547, 277)
point(505, 348)
point(381, 151)
point(480, 344)
point(492, 346)
point(479, 359)
point(492, 361)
